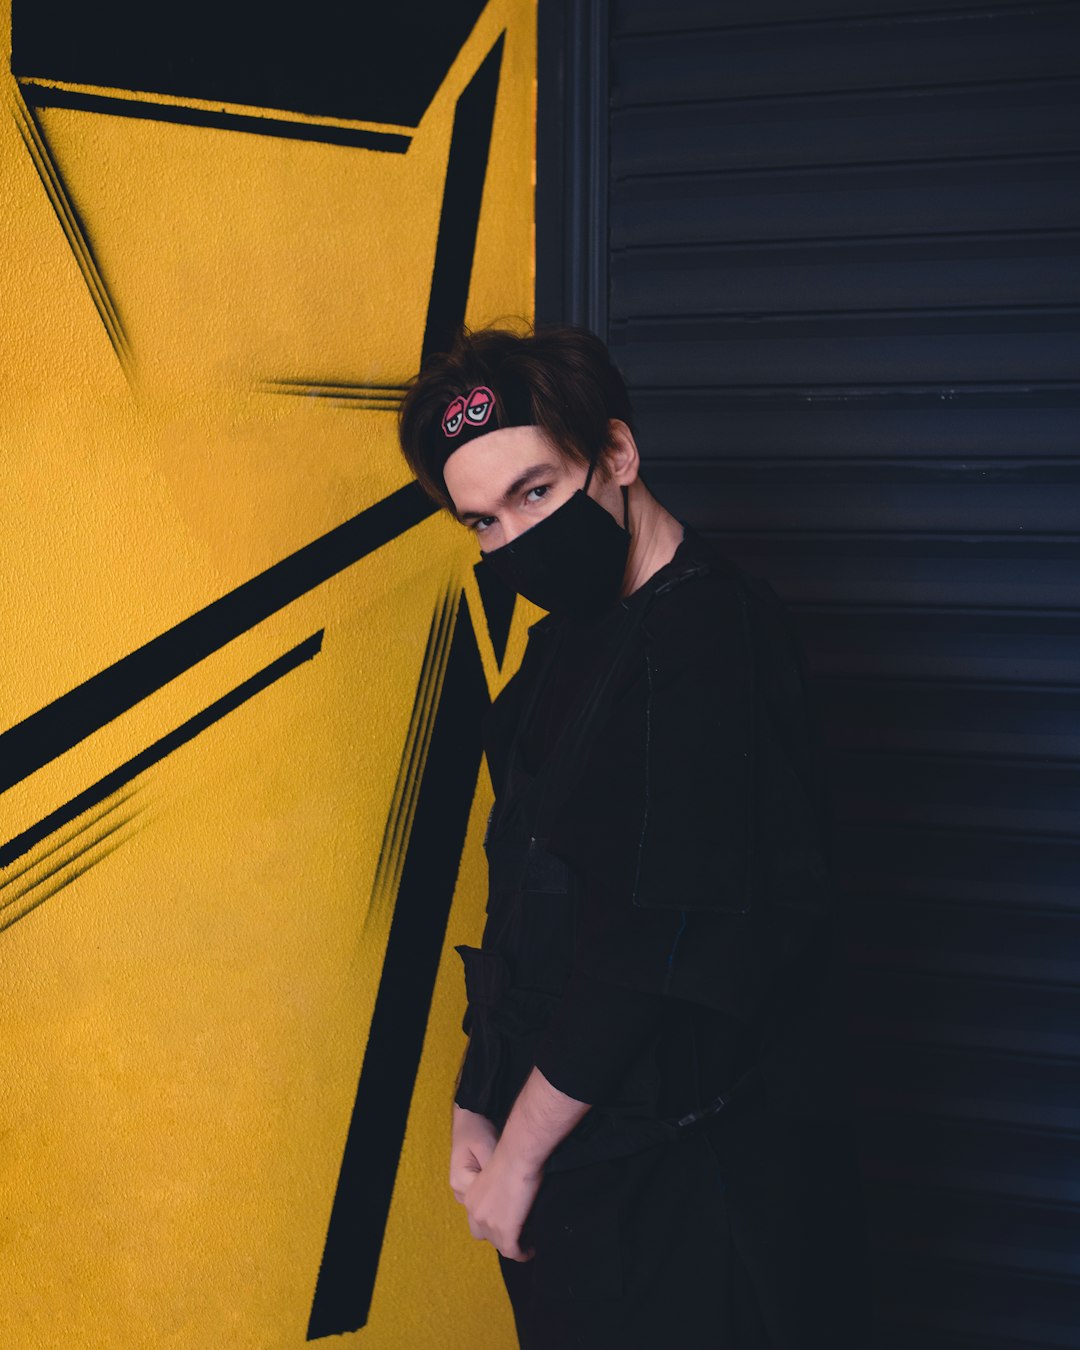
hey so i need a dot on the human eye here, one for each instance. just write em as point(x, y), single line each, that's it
point(478, 526)
point(540, 487)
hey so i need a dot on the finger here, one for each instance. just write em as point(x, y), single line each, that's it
point(478, 1230)
point(514, 1252)
point(512, 1249)
point(462, 1179)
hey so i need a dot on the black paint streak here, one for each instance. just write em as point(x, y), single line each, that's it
point(367, 63)
point(97, 701)
point(346, 1280)
point(408, 777)
point(354, 1239)
point(67, 881)
point(465, 172)
point(52, 180)
point(88, 824)
point(185, 732)
point(378, 397)
point(9, 920)
point(45, 96)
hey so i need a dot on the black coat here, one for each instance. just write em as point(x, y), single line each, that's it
point(660, 828)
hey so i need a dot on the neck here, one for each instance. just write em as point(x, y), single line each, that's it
point(655, 534)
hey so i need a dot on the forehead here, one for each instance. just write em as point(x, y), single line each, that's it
point(477, 472)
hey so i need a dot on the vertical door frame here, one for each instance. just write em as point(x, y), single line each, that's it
point(572, 163)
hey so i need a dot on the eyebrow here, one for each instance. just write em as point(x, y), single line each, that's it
point(522, 480)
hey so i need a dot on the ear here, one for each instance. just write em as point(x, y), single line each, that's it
point(623, 460)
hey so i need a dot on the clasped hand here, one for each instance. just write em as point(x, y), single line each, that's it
point(496, 1190)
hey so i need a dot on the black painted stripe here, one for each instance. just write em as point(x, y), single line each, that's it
point(386, 391)
point(68, 880)
point(346, 1280)
point(459, 218)
point(417, 935)
point(52, 180)
point(46, 96)
point(98, 791)
point(60, 844)
point(11, 914)
point(498, 601)
point(370, 397)
point(407, 782)
point(112, 691)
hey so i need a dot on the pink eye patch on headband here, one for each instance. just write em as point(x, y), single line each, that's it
point(474, 410)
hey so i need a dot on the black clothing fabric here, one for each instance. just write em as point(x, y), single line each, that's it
point(658, 936)
point(635, 1253)
point(598, 1025)
point(733, 1237)
point(654, 900)
point(595, 1032)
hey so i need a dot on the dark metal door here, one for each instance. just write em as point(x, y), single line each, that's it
point(834, 247)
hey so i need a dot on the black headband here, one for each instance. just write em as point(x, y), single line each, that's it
point(479, 410)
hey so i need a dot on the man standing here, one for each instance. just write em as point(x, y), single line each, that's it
point(651, 1124)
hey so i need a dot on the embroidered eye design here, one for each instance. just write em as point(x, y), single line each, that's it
point(479, 404)
point(453, 417)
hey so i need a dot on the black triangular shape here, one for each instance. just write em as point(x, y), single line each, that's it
point(498, 601)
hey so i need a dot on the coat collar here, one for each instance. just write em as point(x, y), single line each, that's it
point(693, 555)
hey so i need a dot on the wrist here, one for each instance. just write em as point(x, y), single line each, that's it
point(463, 1113)
point(466, 1124)
point(517, 1161)
point(528, 1137)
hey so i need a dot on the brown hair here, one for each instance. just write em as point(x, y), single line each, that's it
point(564, 372)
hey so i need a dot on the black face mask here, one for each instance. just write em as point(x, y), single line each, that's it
point(570, 562)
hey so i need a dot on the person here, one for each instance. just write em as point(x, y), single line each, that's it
point(653, 1119)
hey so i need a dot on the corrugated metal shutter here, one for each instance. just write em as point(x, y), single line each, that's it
point(843, 284)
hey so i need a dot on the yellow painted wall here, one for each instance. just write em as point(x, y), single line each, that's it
point(183, 1024)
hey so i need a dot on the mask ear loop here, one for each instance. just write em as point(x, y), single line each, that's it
point(625, 497)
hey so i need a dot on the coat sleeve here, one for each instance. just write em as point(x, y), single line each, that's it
point(594, 1036)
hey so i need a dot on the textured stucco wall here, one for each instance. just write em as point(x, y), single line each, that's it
point(188, 969)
